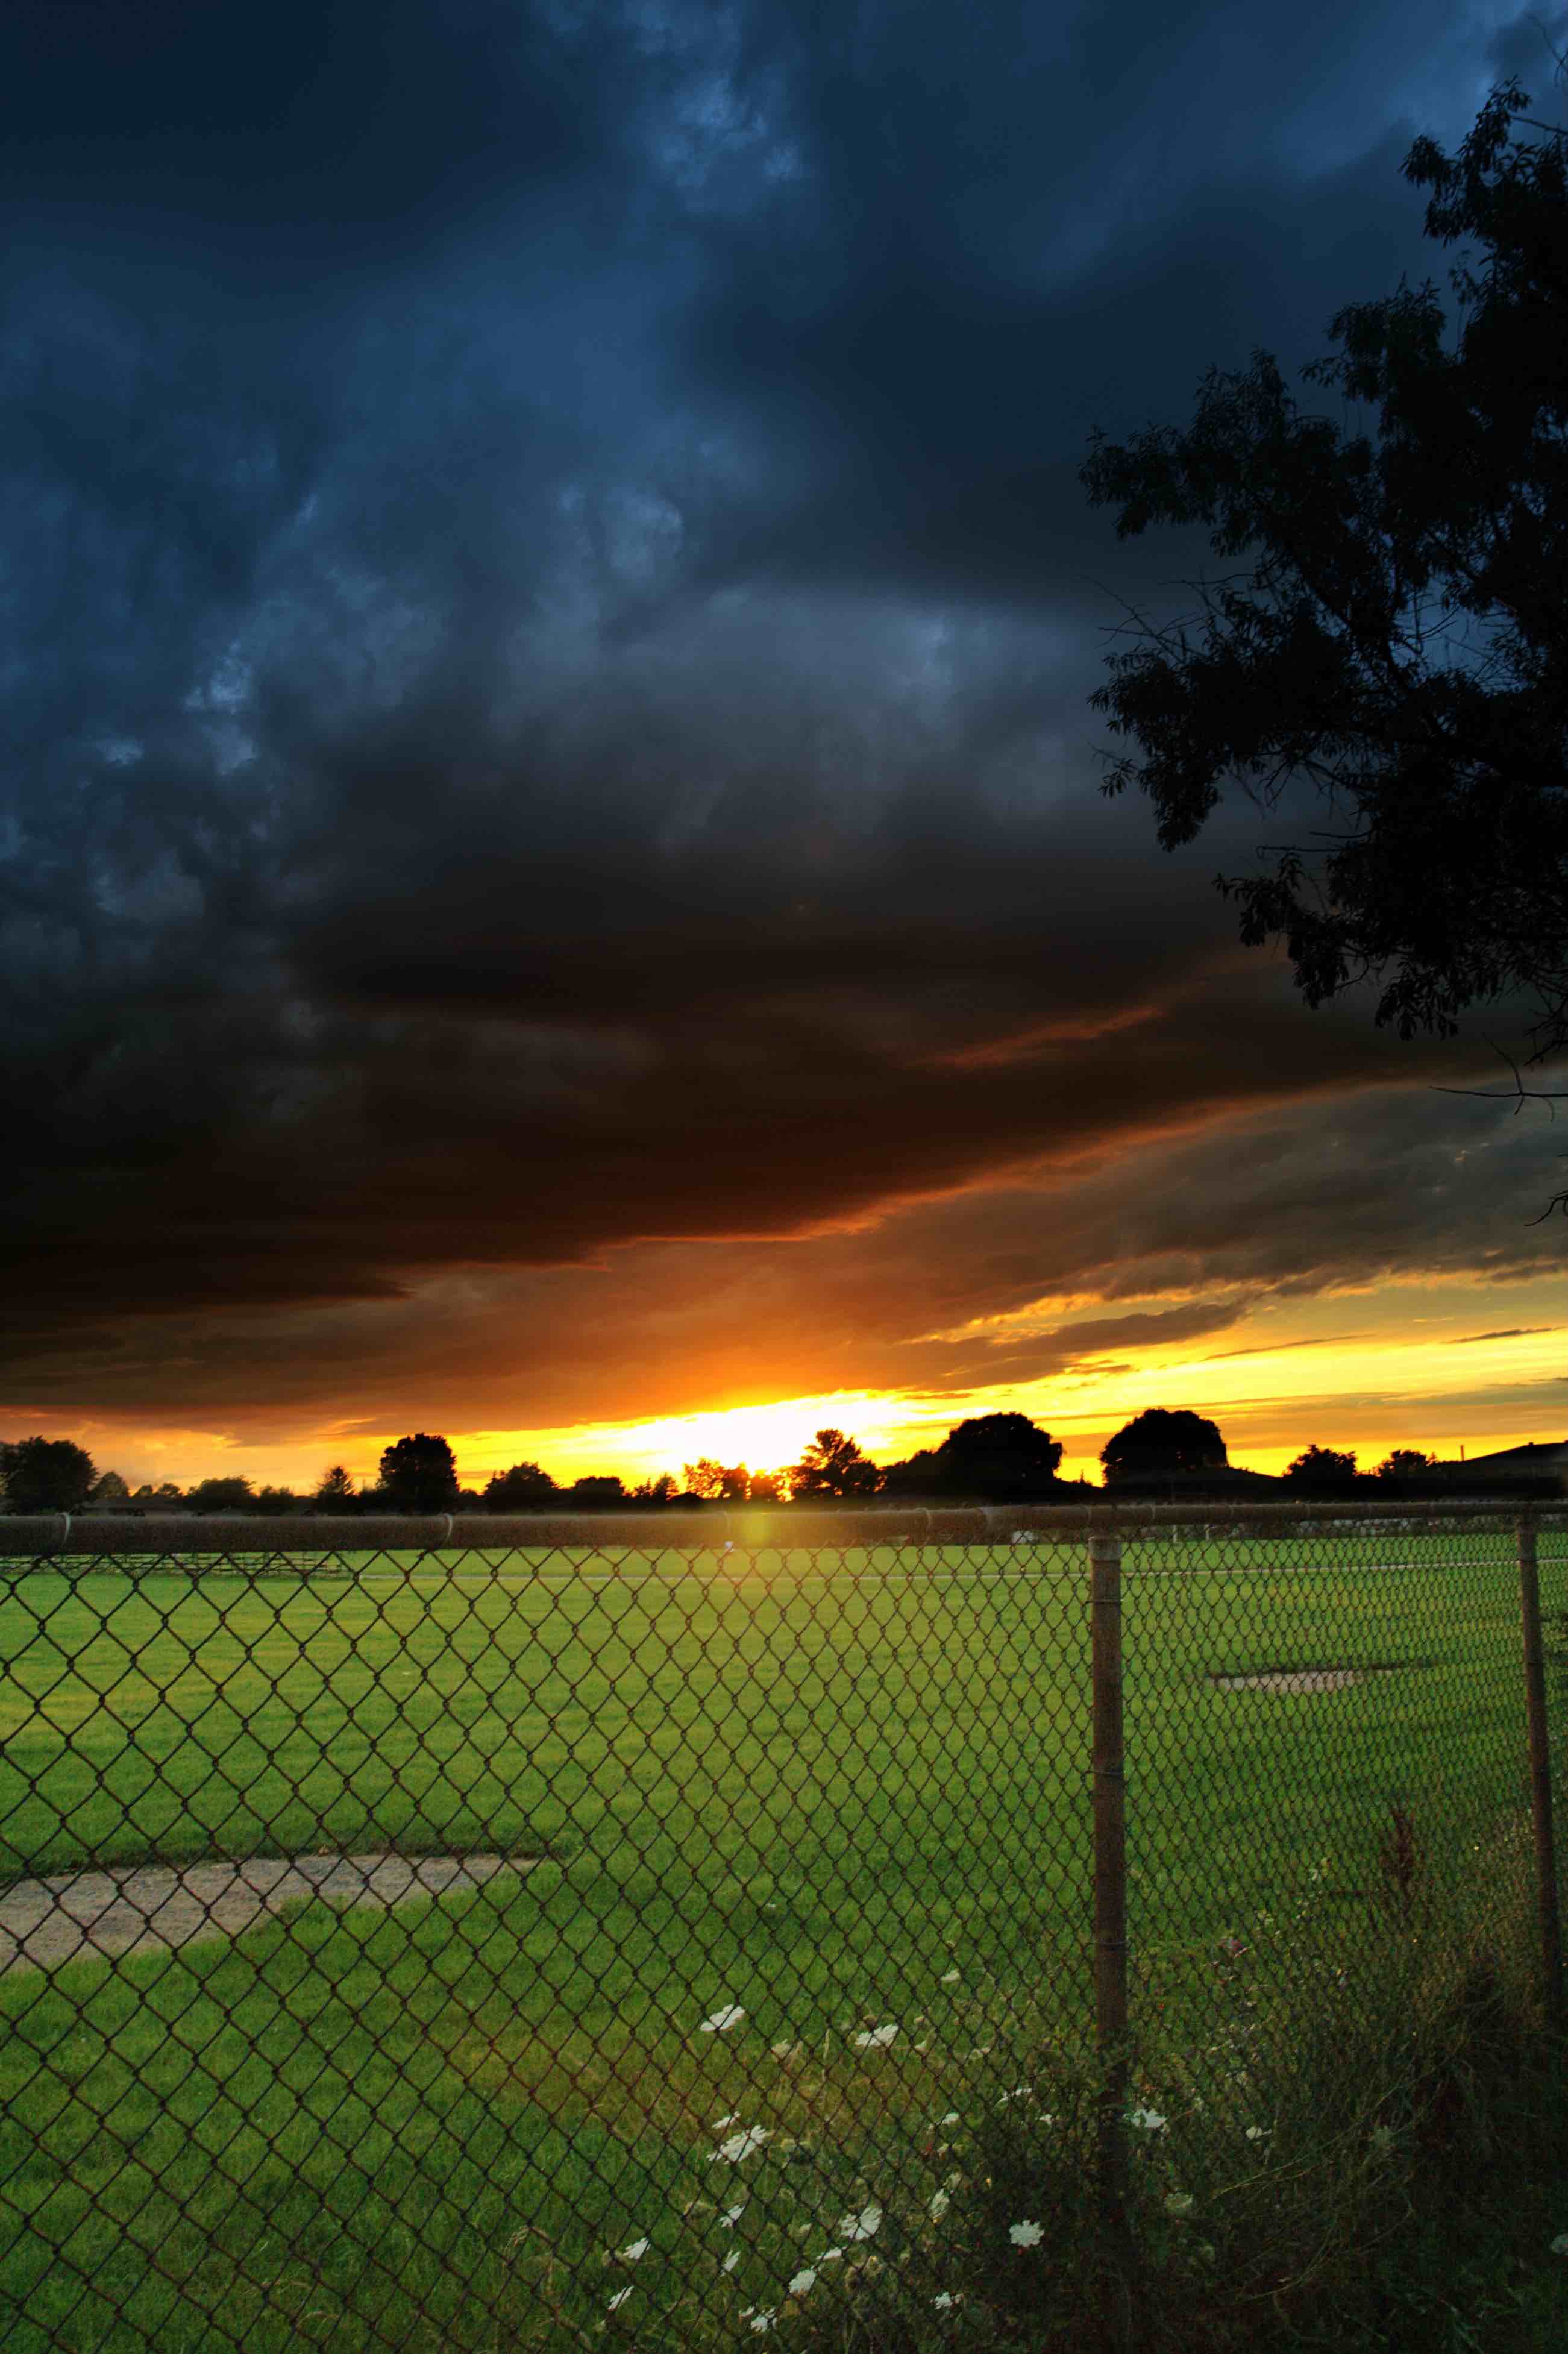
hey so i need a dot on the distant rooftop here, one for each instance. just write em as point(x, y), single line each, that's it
point(1535, 1454)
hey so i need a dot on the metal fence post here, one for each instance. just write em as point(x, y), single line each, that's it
point(1110, 1931)
point(1540, 1775)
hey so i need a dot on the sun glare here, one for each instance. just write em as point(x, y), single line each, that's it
point(764, 1438)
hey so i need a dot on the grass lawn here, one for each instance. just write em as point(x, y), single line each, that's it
point(839, 1793)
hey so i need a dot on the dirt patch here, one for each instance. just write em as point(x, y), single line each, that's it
point(146, 1908)
point(1296, 1680)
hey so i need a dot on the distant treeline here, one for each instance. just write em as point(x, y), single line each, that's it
point(991, 1459)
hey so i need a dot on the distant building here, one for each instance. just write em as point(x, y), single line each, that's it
point(1539, 1458)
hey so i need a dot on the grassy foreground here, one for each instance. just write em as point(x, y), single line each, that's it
point(841, 1798)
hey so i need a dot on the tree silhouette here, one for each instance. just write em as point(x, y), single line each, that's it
point(704, 1478)
point(227, 1493)
point(1162, 1443)
point(523, 1488)
point(1400, 645)
point(1404, 1463)
point(596, 1491)
point(832, 1465)
point(999, 1456)
point(334, 1491)
point(420, 1475)
point(1329, 1468)
point(109, 1487)
point(914, 1475)
point(47, 1475)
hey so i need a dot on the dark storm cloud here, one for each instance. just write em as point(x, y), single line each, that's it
point(933, 1300)
point(547, 619)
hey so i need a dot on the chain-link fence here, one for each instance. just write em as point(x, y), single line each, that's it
point(661, 1932)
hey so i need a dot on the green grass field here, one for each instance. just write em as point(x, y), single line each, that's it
point(814, 1791)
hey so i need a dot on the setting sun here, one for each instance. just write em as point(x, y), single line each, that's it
point(765, 1437)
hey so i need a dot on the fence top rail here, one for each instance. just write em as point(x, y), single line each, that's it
point(46, 1535)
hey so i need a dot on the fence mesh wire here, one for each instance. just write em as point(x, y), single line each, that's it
point(662, 1945)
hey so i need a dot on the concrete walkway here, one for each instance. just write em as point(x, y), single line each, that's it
point(144, 1908)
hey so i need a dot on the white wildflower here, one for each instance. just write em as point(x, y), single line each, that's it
point(1179, 2202)
point(952, 2118)
point(723, 2020)
point(732, 2215)
point(803, 2281)
point(761, 2323)
point(1025, 2235)
point(786, 2050)
point(741, 2144)
point(619, 2298)
point(1146, 2120)
point(863, 2226)
point(1257, 2133)
point(632, 2254)
point(943, 2301)
point(731, 2261)
point(1560, 2245)
point(951, 1977)
point(941, 2202)
point(876, 2039)
point(720, 2123)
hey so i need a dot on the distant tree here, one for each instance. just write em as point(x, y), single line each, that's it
point(169, 1491)
point(334, 1491)
point(278, 1500)
point(1398, 645)
point(832, 1465)
point(524, 1488)
point(704, 1478)
point(230, 1494)
point(1404, 1463)
point(47, 1475)
point(916, 1475)
point(596, 1491)
point(735, 1484)
point(769, 1487)
point(109, 1487)
point(999, 1456)
point(418, 1475)
point(661, 1491)
point(1331, 1468)
point(1162, 1444)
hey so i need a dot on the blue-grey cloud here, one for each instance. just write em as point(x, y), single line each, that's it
point(548, 615)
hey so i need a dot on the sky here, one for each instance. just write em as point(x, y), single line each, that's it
point(553, 885)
